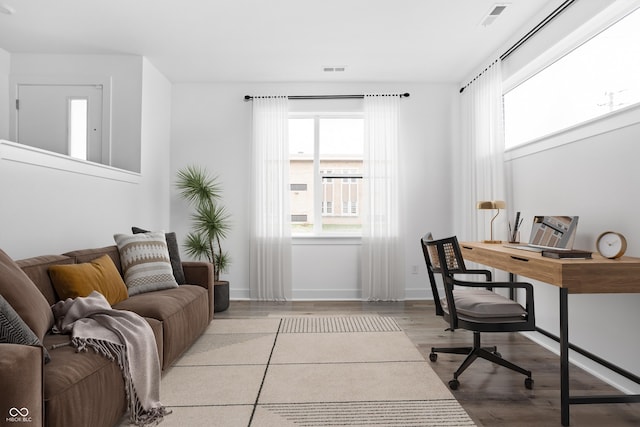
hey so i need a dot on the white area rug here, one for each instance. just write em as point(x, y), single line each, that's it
point(307, 371)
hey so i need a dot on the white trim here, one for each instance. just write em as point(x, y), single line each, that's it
point(25, 154)
point(326, 239)
point(624, 117)
point(326, 295)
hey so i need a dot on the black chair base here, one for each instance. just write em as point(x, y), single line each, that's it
point(477, 351)
point(433, 356)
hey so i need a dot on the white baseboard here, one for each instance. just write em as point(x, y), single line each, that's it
point(613, 379)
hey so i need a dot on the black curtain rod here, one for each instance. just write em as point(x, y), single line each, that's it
point(537, 28)
point(401, 95)
point(479, 74)
point(526, 37)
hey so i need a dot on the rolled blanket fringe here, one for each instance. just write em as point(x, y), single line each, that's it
point(120, 336)
point(138, 415)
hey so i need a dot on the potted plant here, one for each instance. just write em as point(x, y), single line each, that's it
point(211, 224)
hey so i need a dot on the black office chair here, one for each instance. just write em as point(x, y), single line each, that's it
point(477, 309)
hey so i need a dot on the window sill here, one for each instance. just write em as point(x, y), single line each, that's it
point(339, 239)
point(615, 120)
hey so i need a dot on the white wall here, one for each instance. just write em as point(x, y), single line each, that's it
point(211, 126)
point(596, 178)
point(125, 73)
point(594, 175)
point(48, 209)
point(155, 147)
point(5, 66)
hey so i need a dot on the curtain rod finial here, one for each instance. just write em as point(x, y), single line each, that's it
point(461, 89)
point(248, 97)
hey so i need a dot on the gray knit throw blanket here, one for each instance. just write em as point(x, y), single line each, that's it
point(122, 336)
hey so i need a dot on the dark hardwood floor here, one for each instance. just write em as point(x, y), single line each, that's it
point(492, 395)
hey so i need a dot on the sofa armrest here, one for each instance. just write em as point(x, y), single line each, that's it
point(22, 379)
point(200, 273)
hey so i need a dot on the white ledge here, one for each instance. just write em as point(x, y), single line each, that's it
point(21, 153)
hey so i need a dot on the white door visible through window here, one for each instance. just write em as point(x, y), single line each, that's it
point(65, 119)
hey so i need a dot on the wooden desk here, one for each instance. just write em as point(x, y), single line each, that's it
point(571, 276)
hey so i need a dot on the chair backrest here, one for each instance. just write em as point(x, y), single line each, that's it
point(428, 254)
point(445, 258)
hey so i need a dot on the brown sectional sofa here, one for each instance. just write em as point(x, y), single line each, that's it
point(86, 389)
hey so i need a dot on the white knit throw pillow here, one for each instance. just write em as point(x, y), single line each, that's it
point(145, 262)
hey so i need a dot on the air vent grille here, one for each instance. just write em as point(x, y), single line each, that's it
point(495, 11)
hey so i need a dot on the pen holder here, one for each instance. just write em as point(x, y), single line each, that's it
point(517, 238)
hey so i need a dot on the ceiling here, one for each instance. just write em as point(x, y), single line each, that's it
point(274, 40)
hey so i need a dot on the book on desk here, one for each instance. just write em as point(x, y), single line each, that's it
point(566, 253)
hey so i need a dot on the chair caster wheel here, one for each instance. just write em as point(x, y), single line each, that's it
point(454, 384)
point(528, 383)
point(433, 357)
point(497, 353)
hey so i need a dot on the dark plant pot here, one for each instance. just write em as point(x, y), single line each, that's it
point(220, 296)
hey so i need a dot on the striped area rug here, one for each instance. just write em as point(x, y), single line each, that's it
point(424, 413)
point(307, 325)
point(309, 370)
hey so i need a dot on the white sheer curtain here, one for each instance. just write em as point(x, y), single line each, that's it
point(382, 248)
point(479, 161)
point(270, 258)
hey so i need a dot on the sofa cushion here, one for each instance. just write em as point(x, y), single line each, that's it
point(184, 313)
point(79, 280)
point(174, 253)
point(13, 330)
point(37, 269)
point(24, 297)
point(81, 388)
point(145, 262)
point(86, 255)
point(20, 377)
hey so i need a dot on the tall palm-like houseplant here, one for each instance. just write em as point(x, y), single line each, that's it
point(211, 221)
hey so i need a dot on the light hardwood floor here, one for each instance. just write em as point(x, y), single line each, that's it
point(493, 396)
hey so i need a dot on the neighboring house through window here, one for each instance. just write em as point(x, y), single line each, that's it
point(326, 153)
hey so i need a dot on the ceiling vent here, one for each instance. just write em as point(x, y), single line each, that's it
point(496, 10)
point(334, 69)
point(7, 9)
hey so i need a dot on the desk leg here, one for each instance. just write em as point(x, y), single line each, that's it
point(564, 356)
point(512, 291)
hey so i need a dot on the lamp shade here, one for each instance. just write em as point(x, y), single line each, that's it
point(491, 204)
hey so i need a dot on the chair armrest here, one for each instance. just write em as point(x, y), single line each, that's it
point(22, 379)
point(485, 273)
point(508, 285)
point(200, 273)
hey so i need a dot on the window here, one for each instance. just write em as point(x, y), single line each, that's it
point(78, 123)
point(326, 154)
point(598, 77)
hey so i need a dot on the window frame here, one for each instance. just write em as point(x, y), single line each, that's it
point(604, 123)
point(318, 184)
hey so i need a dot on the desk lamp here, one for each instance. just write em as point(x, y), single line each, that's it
point(492, 204)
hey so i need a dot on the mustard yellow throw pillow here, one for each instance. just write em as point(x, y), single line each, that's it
point(79, 280)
